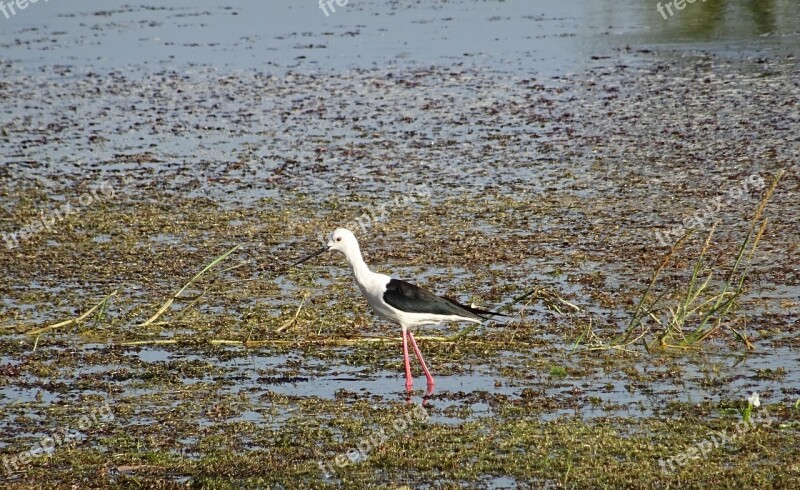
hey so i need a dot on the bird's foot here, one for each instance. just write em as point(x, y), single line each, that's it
point(429, 391)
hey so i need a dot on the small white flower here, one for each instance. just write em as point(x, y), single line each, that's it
point(754, 400)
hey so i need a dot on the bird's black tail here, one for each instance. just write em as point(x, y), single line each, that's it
point(475, 311)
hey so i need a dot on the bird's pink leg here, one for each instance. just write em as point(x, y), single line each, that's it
point(409, 382)
point(421, 361)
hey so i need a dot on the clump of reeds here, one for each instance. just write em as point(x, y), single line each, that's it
point(688, 314)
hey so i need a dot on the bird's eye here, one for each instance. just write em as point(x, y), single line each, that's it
point(338, 239)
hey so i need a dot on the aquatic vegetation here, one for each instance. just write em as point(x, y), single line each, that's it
point(702, 306)
point(753, 401)
point(172, 305)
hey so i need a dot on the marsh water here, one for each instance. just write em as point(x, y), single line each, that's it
point(480, 149)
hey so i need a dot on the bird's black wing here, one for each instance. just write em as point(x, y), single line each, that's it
point(413, 299)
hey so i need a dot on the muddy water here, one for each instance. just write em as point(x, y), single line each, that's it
point(480, 149)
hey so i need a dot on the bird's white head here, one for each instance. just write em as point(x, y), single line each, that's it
point(344, 241)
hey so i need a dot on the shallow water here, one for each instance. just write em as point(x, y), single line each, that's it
point(546, 37)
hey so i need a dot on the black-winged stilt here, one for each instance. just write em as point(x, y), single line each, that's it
point(399, 301)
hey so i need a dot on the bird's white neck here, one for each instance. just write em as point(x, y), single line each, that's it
point(358, 266)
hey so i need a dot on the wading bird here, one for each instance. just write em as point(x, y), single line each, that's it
point(399, 301)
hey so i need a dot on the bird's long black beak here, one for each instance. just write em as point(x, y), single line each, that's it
point(318, 252)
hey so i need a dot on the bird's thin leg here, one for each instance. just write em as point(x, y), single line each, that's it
point(421, 361)
point(409, 382)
